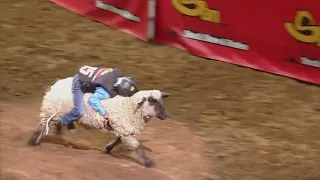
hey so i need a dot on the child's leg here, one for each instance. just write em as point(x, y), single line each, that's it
point(78, 110)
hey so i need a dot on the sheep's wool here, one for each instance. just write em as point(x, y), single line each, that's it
point(124, 116)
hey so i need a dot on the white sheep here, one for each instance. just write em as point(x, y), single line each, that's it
point(127, 115)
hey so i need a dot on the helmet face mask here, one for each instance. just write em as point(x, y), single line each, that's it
point(126, 86)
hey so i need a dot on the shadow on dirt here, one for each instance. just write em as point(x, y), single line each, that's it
point(119, 152)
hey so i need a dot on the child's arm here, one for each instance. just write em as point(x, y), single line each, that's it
point(94, 100)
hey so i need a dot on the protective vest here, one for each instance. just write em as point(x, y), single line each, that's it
point(91, 77)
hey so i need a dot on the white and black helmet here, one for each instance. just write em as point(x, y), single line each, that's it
point(126, 86)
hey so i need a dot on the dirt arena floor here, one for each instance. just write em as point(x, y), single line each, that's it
point(227, 122)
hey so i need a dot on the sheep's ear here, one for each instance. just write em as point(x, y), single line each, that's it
point(164, 95)
point(142, 101)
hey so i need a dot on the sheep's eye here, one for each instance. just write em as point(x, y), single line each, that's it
point(152, 100)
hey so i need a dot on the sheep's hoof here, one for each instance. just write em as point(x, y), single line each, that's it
point(37, 136)
point(148, 163)
point(108, 150)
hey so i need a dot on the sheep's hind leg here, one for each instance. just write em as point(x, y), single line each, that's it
point(42, 129)
point(111, 145)
point(37, 135)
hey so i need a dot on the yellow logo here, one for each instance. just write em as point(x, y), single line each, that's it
point(197, 8)
point(304, 28)
point(106, 71)
point(132, 88)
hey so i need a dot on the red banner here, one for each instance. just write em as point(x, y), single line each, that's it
point(281, 37)
point(126, 15)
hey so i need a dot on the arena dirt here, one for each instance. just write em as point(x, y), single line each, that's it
point(241, 124)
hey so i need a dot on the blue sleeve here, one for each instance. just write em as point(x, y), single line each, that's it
point(94, 100)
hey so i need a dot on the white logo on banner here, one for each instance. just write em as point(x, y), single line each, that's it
point(121, 12)
point(215, 40)
point(310, 62)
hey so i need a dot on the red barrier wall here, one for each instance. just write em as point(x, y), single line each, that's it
point(126, 15)
point(281, 37)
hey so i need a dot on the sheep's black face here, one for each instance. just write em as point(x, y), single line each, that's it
point(153, 106)
point(157, 104)
point(158, 108)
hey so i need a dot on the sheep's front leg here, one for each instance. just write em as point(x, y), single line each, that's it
point(132, 142)
point(111, 145)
